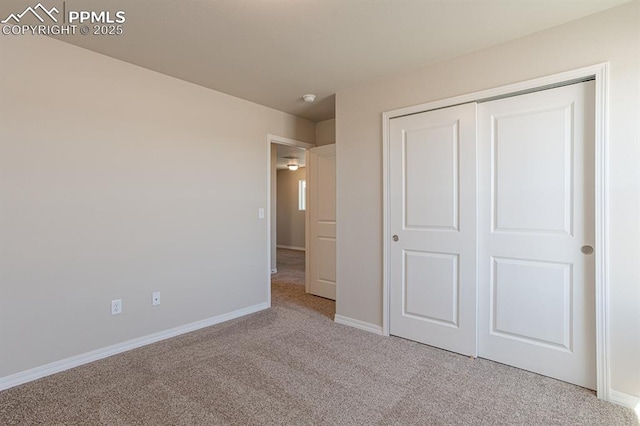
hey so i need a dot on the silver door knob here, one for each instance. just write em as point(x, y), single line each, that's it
point(586, 250)
point(395, 238)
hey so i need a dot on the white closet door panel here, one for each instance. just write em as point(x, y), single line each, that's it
point(433, 215)
point(536, 212)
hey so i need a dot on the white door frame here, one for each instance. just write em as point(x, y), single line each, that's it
point(289, 142)
point(600, 72)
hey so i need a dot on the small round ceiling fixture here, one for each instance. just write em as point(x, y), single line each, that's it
point(309, 97)
point(293, 163)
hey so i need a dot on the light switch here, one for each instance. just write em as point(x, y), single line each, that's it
point(260, 213)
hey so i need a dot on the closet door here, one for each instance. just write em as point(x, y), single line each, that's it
point(433, 227)
point(536, 233)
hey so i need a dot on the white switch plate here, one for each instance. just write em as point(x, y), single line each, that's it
point(261, 213)
point(116, 307)
point(155, 298)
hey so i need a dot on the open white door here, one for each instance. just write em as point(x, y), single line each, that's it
point(321, 203)
point(433, 222)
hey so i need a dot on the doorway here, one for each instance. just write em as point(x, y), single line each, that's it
point(291, 252)
point(568, 168)
point(290, 231)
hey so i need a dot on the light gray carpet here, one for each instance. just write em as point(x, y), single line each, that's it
point(291, 365)
point(290, 265)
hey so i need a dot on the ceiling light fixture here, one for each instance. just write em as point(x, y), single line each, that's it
point(293, 164)
point(309, 97)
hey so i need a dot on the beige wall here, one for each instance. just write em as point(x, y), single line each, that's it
point(609, 36)
point(116, 181)
point(326, 132)
point(291, 224)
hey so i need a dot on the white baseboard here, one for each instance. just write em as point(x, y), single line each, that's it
point(625, 400)
point(85, 358)
point(291, 247)
point(361, 325)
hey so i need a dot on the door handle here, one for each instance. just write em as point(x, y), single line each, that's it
point(586, 250)
point(395, 238)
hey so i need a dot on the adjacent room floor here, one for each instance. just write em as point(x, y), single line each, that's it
point(287, 285)
point(292, 365)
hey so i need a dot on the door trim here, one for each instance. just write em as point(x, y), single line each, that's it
point(599, 72)
point(289, 142)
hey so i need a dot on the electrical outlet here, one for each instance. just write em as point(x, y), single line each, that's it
point(155, 298)
point(116, 307)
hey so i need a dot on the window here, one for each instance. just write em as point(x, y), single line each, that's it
point(302, 194)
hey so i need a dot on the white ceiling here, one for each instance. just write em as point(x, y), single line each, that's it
point(274, 51)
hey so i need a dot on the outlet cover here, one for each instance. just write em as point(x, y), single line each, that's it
point(155, 298)
point(116, 307)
